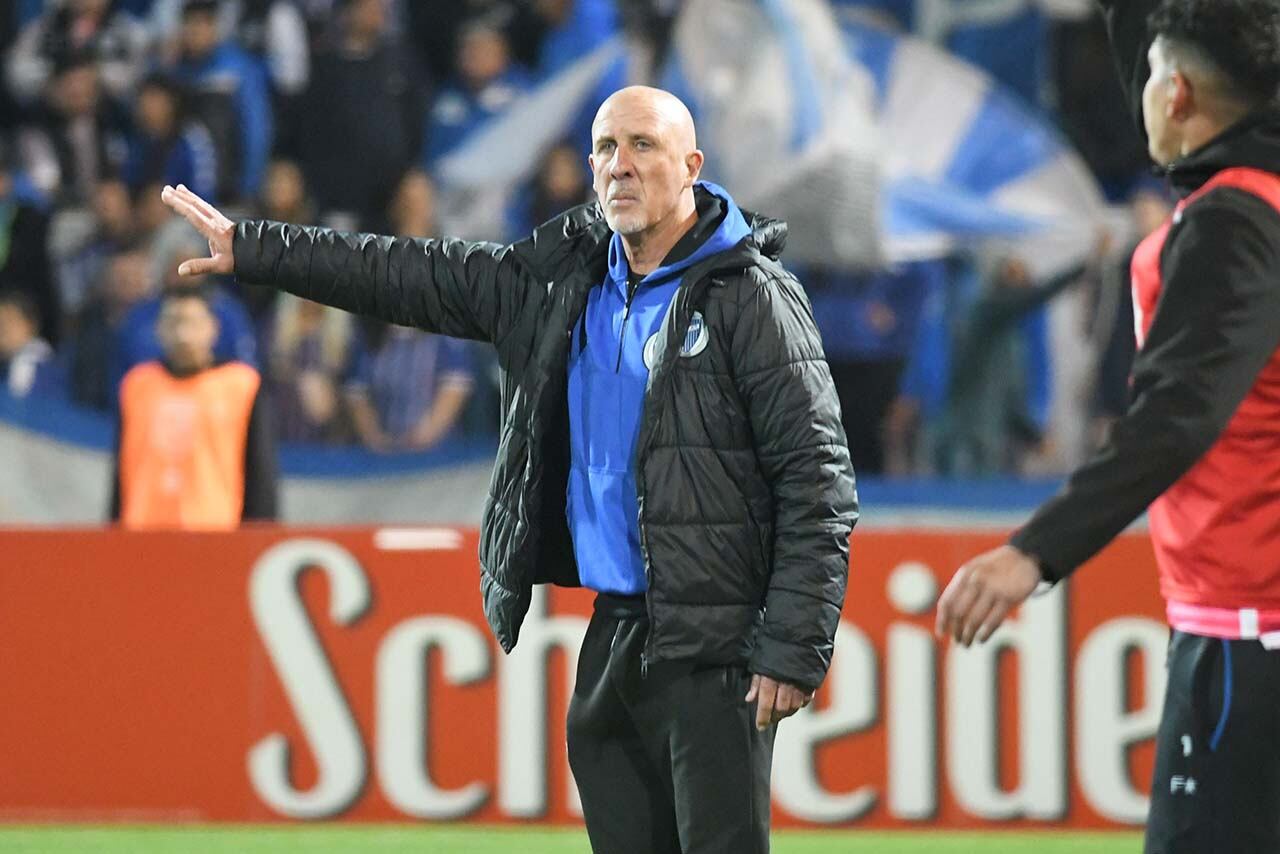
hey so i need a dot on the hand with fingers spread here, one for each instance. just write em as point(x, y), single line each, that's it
point(212, 225)
point(983, 592)
point(775, 700)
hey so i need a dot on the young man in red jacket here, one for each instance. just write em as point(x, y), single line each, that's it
point(1200, 443)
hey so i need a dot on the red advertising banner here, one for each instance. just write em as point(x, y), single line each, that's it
point(348, 674)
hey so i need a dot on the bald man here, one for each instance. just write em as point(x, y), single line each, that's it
point(671, 440)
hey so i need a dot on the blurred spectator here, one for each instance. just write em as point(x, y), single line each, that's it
point(150, 214)
point(486, 82)
point(137, 340)
point(311, 352)
point(1149, 208)
point(274, 31)
point(413, 208)
point(987, 422)
point(284, 199)
point(562, 182)
point(194, 449)
point(125, 282)
point(27, 365)
point(433, 26)
point(648, 25)
point(81, 267)
point(113, 40)
point(869, 326)
point(550, 35)
point(570, 30)
point(284, 195)
point(24, 242)
point(230, 95)
point(365, 106)
point(411, 389)
point(167, 145)
point(408, 393)
point(76, 138)
point(1091, 106)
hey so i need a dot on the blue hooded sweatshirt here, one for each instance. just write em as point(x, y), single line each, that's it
point(608, 375)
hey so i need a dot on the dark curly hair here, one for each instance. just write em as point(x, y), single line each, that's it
point(1241, 38)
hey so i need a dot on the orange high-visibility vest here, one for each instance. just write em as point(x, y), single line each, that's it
point(182, 446)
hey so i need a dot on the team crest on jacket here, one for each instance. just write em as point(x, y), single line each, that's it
point(695, 341)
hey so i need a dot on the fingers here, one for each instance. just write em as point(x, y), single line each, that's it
point(955, 602)
point(183, 205)
point(790, 700)
point(993, 621)
point(198, 267)
point(767, 696)
point(775, 700)
point(212, 214)
point(976, 616)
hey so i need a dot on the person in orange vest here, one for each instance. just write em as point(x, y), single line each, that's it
point(195, 449)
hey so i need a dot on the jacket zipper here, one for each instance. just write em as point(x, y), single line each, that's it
point(680, 309)
point(626, 316)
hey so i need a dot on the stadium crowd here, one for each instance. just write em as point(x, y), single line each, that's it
point(341, 112)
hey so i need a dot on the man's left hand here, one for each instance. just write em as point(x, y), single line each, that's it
point(775, 700)
point(983, 592)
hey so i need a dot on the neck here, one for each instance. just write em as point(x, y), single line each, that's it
point(646, 249)
point(188, 370)
point(1205, 128)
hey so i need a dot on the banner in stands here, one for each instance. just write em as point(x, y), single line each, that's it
point(347, 674)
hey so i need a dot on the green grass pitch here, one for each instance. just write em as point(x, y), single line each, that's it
point(471, 840)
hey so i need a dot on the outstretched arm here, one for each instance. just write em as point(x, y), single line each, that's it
point(465, 290)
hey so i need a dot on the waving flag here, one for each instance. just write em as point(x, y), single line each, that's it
point(872, 145)
point(966, 158)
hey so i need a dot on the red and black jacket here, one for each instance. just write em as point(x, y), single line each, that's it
point(1200, 442)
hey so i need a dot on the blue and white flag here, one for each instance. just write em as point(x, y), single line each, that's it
point(874, 146)
point(786, 120)
point(965, 159)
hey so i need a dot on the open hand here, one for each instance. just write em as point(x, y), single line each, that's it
point(775, 700)
point(983, 592)
point(212, 225)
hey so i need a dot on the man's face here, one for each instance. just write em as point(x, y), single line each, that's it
point(285, 190)
point(562, 177)
point(156, 111)
point(1164, 103)
point(199, 34)
point(482, 56)
point(75, 91)
point(639, 166)
point(368, 17)
point(112, 209)
point(15, 330)
point(187, 330)
point(129, 278)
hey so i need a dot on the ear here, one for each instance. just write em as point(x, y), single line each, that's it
point(1182, 97)
point(693, 163)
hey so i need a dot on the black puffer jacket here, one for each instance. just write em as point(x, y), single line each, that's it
point(746, 493)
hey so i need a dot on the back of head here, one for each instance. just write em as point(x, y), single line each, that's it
point(1238, 40)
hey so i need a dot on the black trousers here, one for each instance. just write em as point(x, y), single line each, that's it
point(668, 761)
point(1217, 779)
